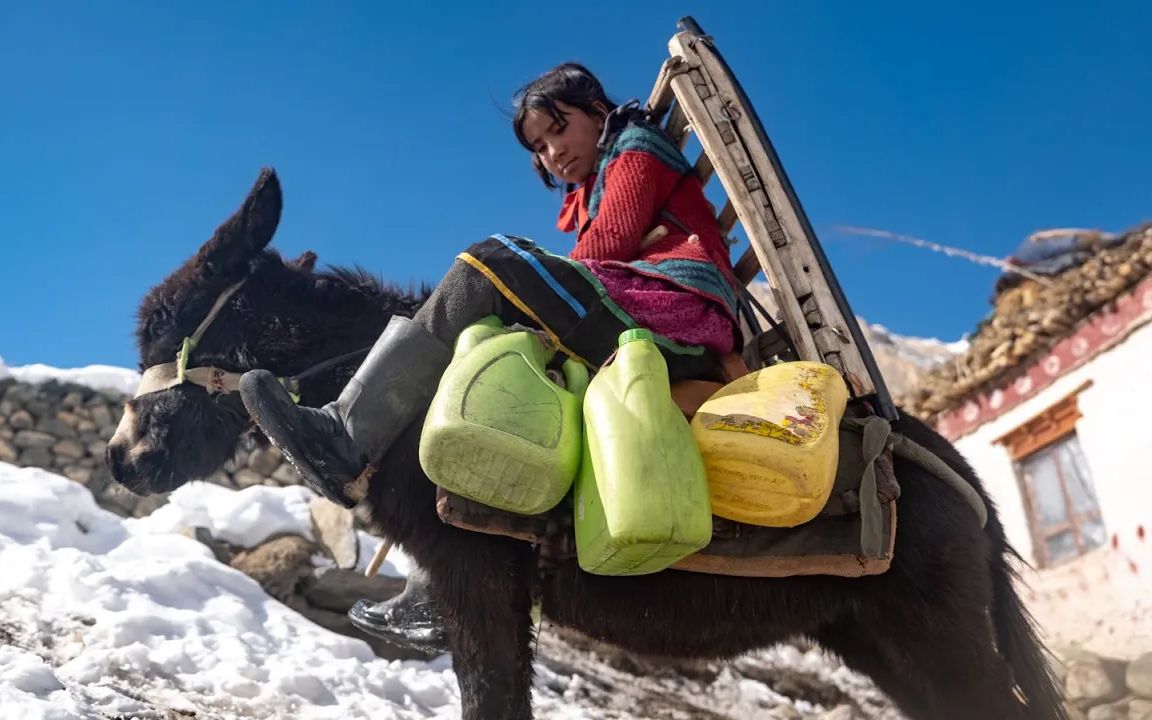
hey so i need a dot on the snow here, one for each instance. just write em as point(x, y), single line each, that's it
point(921, 351)
point(139, 604)
point(99, 377)
point(102, 616)
point(105, 617)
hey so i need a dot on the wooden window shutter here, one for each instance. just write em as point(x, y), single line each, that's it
point(1046, 428)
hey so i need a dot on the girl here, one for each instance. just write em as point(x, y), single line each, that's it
point(648, 254)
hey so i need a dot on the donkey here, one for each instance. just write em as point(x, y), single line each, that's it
point(942, 632)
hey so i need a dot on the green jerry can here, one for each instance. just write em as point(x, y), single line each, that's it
point(499, 430)
point(641, 498)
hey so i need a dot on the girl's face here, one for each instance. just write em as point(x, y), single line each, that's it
point(566, 147)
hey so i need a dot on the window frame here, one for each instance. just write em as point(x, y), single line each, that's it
point(1055, 425)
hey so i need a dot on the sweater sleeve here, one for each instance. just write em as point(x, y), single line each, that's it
point(636, 186)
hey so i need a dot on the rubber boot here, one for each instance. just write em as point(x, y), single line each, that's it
point(410, 620)
point(331, 446)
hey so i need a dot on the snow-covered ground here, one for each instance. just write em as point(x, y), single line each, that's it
point(103, 617)
point(107, 617)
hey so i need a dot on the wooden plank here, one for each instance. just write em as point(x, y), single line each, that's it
point(677, 126)
point(661, 97)
point(704, 168)
point(719, 113)
point(747, 267)
point(727, 218)
point(733, 171)
point(792, 254)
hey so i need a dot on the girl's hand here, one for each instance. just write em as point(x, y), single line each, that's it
point(660, 232)
point(657, 234)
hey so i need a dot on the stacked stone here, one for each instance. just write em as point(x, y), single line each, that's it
point(64, 428)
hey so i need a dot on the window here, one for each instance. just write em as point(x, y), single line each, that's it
point(1061, 502)
point(1056, 485)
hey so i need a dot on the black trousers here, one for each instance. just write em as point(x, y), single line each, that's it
point(523, 284)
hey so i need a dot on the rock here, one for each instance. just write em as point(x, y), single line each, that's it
point(86, 426)
point(1116, 711)
point(278, 565)
point(114, 498)
point(220, 549)
point(72, 400)
point(34, 438)
point(7, 407)
point(96, 448)
point(1139, 676)
point(38, 407)
point(220, 478)
point(147, 505)
point(6, 432)
point(1094, 681)
point(247, 478)
point(18, 393)
point(264, 461)
point(286, 475)
point(785, 712)
point(335, 529)
point(236, 462)
point(72, 420)
point(102, 416)
point(842, 712)
point(8, 453)
point(1073, 712)
point(79, 474)
point(1139, 709)
point(106, 432)
point(101, 479)
point(39, 457)
point(338, 590)
point(21, 420)
point(56, 427)
point(71, 449)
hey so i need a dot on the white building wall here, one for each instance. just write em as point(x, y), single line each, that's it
point(1115, 433)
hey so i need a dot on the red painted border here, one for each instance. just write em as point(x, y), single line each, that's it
point(1104, 328)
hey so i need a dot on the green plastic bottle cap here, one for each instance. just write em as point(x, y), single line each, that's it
point(635, 334)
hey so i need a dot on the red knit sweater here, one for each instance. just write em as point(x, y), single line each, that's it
point(638, 185)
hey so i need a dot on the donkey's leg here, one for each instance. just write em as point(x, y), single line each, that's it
point(486, 601)
point(939, 669)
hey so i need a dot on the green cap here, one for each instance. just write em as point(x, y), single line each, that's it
point(635, 334)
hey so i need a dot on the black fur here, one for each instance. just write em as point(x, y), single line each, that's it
point(943, 632)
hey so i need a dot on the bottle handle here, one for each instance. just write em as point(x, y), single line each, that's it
point(576, 377)
point(476, 333)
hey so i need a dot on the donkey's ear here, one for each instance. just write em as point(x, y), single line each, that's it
point(249, 229)
point(306, 261)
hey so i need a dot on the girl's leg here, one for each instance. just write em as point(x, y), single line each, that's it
point(520, 283)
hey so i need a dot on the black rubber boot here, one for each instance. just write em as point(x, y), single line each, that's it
point(409, 620)
point(330, 446)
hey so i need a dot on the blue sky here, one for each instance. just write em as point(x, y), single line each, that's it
point(130, 130)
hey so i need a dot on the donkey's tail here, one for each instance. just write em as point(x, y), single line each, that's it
point(1019, 642)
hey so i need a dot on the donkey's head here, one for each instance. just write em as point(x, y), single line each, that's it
point(232, 307)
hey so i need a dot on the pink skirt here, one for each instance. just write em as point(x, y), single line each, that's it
point(666, 308)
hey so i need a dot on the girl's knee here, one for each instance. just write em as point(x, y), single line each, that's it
point(484, 247)
point(497, 242)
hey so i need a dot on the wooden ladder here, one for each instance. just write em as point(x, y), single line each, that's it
point(696, 91)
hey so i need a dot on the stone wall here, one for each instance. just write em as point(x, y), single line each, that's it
point(64, 428)
point(1102, 688)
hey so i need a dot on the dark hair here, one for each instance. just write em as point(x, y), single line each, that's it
point(569, 83)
